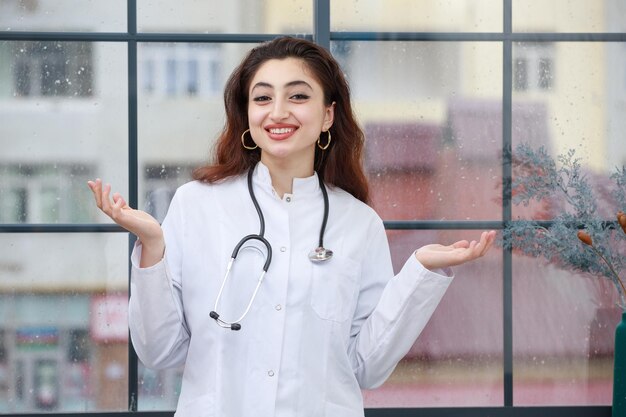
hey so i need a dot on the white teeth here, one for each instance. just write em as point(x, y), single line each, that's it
point(281, 130)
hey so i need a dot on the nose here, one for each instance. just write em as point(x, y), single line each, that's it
point(280, 110)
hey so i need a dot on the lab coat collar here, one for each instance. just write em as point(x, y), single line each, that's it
point(301, 186)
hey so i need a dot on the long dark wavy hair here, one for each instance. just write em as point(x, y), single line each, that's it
point(339, 165)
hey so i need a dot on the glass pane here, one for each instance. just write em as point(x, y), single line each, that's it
point(184, 108)
point(159, 390)
point(563, 336)
point(234, 16)
point(573, 99)
point(578, 106)
point(433, 125)
point(457, 360)
point(63, 120)
point(63, 15)
point(416, 16)
point(63, 323)
point(569, 16)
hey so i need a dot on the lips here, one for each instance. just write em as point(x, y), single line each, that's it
point(280, 132)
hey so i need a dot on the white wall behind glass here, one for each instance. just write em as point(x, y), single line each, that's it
point(235, 16)
point(75, 262)
point(63, 15)
point(416, 16)
point(569, 16)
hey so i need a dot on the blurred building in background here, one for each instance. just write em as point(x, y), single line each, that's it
point(432, 113)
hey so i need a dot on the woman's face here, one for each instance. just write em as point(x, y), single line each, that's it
point(286, 113)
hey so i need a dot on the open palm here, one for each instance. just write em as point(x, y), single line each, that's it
point(139, 222)
point(437, 256)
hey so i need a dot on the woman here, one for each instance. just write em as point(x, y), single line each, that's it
point(316, 329)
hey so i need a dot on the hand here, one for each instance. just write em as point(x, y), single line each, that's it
point(147, 229)
point(437, 256)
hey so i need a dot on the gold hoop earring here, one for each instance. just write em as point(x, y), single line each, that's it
point(319, 143)
point(243, 141)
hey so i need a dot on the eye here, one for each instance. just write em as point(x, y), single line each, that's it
point(261, 99)
point(300, 97)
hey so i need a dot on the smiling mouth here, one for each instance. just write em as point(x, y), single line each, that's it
point(281, 131)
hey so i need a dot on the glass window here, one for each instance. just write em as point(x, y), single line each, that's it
point(175, 69)
point(167, 119)
point(569, 16)
point(13, 204)
point(3, 348)
point(46, 387)
point(64, 121)
point(63, 321)
point(416, 16)
point(235, 16)
point(567, 359)
point(32, 193)
point(563, 335)
point(432, 114)
point(520, 74)
point(78, 349)
point(433, 125)
point(580, 111)
point(45, 69)
point(546, 76)
point(5, 363)
point(533, 66)
point(457, 360)
point(192, 77)
point(160, 184)
point(170, 71)
point(63, 15)
point(158, 390)
point(53, 69)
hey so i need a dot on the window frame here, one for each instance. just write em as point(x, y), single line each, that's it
point(323, 36)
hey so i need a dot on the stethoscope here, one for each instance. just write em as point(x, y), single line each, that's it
point(319, 254)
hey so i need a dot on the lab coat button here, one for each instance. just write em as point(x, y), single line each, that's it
point(283, 249)
point(288, 199)
point(270, 373)
point(278, 307)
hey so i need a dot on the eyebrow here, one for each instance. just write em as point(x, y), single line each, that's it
point(289, 84)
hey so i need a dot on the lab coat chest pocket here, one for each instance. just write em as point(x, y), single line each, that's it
point(334, 288)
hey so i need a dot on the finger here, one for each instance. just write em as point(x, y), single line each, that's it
point(461, 244)
point(118, 196)
point(106, 202)
point(480, 244)
point(96, 188)
point(481, 241)
point(486, 239)
point(491, 237)
point(116, 208)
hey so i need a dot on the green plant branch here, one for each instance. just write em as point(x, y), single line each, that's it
point(569, 199)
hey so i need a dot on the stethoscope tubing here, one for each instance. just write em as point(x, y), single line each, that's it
point(318, 254)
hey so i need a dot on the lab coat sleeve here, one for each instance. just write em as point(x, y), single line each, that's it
point(391, 313)
point(156, 320)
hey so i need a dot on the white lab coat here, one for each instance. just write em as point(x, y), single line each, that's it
point(316, 333)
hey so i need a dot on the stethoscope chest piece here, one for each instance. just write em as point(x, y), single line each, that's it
point(320, 254)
